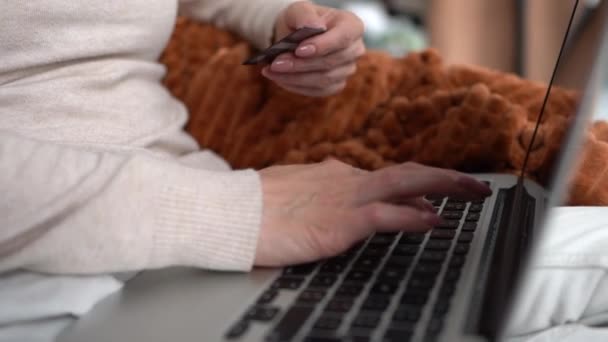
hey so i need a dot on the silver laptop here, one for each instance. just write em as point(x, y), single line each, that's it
point(455, 283)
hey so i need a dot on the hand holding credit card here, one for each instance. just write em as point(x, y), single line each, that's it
point(287, 44)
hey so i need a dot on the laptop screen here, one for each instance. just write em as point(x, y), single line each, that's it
point(562, 121)
point(547, 146)
point(565, 108)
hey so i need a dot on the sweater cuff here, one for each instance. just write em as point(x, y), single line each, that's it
point(209, 220)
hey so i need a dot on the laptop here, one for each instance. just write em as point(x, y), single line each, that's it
point(458, 282)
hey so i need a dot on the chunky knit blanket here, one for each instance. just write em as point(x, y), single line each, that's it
point(393, 110)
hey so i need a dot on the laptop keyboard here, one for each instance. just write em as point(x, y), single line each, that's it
point(382, 289)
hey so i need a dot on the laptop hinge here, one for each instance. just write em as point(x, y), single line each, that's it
point(505, 248)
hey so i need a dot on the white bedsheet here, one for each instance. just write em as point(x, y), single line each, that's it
point(565, 298)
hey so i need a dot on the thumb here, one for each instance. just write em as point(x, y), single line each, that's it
point(303, 14)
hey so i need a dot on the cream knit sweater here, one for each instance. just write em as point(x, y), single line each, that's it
point(96, 174)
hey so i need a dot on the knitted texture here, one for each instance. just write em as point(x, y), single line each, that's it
point(393, 110)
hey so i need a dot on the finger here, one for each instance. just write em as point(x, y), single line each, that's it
point(288, 63)
point(385, 217)
point(415, 181)
point(417, 202)
point(469, 183)
point(315, 92)
point(304, 14)
point(344, 29)
point(318, 80)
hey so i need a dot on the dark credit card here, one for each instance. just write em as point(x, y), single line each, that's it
point(287, 44)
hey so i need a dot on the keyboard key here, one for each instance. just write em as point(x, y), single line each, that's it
point(427, 269)
point(399, 261)
point(465, 237)
point(447, 292)
point(421, 283)
point(415, 298)
point(456, 200)
point(469, 226)
point(261, 313)
point(475, 208)
point(358, 334)
point(366, 320)
point(356, 276)
point(328, 323)
point(398, 335)
point(448, 224)
point(461, 249)
point(375, 251)
point(441, 307)
point(349, 290)
point(267, 297)
point(288, 283)
point(381, 240)
point(322, 339)
point(332, 268)
point(358, 338)
point(472, 217)
point(432, 256)
point(290, 323)
point(237, 330)
point(417, 291)
point(323, 281)
point(411, 239)
point(376, 303)
point(442, 234)
point(451, 215)
point(300, 270)
point(311, 296)
point(407, 313)
point(366, 263)
point(457, 261)
point(382, 288)
point(392, 275)
point(455, 206)
point(339, 305)
point(452, 274)
point(438, 245)
point(405, 250)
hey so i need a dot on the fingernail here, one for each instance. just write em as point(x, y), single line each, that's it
point(306, 51)
point(429, 206)
point(315, 24)
point(432, 219)
point(475, 185)
point(282, 65)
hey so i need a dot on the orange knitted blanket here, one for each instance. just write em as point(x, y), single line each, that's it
point(393, 110)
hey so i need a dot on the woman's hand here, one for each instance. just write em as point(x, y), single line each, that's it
point(320, 210)
point(320, 65)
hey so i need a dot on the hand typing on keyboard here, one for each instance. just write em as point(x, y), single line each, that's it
point(320, 210)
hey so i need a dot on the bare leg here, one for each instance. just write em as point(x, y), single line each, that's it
point(545, 25)
point(480, 32)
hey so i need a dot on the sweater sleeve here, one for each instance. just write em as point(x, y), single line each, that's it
point(82, 211)
point(252, 19)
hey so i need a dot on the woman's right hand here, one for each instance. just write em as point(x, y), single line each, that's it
point(317, 211)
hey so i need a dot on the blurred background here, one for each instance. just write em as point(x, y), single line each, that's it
point(519, 36)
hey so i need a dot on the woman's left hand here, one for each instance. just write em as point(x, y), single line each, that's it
point(321, 64)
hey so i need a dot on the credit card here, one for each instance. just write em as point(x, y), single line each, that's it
point(287, 44)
